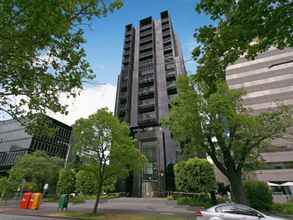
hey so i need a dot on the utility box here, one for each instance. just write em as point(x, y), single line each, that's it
point(25, 200)
point(35, 201)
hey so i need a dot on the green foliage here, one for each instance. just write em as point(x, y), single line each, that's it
point(66, 182)
point(7, 188)
point(244, 27)
point(103, 141)
point(201, 200)
point(42, 54)
point(259, 195)
point(86, 182)
point(195, 175)
point(285, 209)
point(37, 168)
point(221, 126)
point(30, 187)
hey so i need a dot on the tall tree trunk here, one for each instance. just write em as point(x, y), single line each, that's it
point(237, 188)
point(98, 198)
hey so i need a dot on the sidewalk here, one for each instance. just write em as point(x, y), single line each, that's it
point(119, 205)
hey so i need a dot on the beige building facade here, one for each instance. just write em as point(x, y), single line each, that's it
point(268, 81)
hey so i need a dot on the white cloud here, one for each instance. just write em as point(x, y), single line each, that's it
point(88, 102)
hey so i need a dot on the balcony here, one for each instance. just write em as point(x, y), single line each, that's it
point(166, 34)
point(168, 47)
point(147, 92)
point(145, 27)
point(146, 33)
point(145, 54)
point(147, 79)
point(170, 66)
point(171, 75)
point(165, 26)
point(166, 39)
point(147, 118)
point(147, 105)
point(146, 40)
point(171, 84)
point(146, 46)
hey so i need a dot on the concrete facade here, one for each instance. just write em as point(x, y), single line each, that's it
point(268, 81)
point(152, 60)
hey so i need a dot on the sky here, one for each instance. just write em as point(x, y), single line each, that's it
point(104, 42)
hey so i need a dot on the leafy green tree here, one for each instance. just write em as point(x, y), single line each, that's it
point(86, 182)
point(66, 181)
point(242, 27)
point(195, 175)
point(42, 54)
point(104, 141)
point(37, 168)
point(7, 188)
point(221, 126)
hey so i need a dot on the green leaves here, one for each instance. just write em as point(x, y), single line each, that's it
point(242, 27)
point(195, 175)
point(31, 167)
point(66, 181)
point(41, 52)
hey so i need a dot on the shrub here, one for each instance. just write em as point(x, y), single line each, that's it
point(66, 181)
point(286, 209)
point(259, 195)
point(86, 182)
point(195, 175)
point(201, 200)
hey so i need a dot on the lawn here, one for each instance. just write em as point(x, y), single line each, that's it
point(114, 216)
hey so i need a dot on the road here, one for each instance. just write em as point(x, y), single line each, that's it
point(18, 217)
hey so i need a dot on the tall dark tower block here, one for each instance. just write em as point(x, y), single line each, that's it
point(152, 59)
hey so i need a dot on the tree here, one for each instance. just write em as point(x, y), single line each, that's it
point(86, 181)
point(104, 141)
point(42, 55)
point(66, 181)
point(37, 168)
point(222, 127)
point(242, 27)
point(195, 175)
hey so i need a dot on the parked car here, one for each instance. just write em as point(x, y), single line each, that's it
point(232, 211)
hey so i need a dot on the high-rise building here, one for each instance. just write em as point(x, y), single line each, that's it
point(268, 81)
point(152, 59)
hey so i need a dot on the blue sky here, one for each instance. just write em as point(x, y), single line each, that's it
point(105, 37)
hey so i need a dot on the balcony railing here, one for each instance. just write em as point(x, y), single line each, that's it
point(171, 84)
point(166, 39)
point(146, 33)
point(149, 91)
point(147, 39)
point(146, 46)
point(147, 117)
point(168, 47)
point(171, 75)
point(142, 28)
point(145, 54)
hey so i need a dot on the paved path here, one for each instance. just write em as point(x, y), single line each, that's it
point(18, 217)
point(142, 205)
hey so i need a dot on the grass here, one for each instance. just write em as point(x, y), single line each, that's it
point(113, 216)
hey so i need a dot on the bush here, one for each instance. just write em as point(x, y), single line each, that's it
point(202, 200)
point(66, 181)
point(195, 175)
point(259, 195)
point(286, 209)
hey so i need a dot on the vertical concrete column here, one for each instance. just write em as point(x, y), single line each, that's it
point(162, 95)
point(135, 78)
